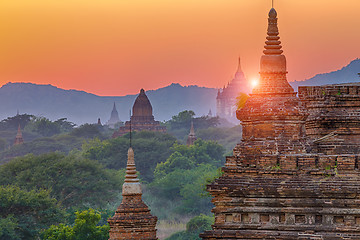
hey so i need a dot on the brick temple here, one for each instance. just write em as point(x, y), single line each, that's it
point(295, 174)
point(142, 118)
point(132, 219)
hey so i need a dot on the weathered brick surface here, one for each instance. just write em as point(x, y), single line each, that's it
point(132, 219)
point(295, 173)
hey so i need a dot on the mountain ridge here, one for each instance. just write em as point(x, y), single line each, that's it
point(83, 107)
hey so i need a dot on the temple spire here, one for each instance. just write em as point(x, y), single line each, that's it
point(131, 183)
point(18, 139)
point(273, 46)
point(273, 62)
point(191, 137)
point(239, 66)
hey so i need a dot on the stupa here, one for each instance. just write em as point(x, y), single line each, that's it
point(19, 138)
point(295, 174)
point(132, 219)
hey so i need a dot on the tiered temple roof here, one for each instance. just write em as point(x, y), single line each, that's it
point(295, 174)
point(142, 118)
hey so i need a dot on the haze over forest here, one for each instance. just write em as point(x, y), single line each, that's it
point(81, 107)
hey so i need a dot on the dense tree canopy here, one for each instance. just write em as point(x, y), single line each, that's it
point(72, 180)
point(85, 228)
point(150, 149)
point(179, 125)
point(24, 213)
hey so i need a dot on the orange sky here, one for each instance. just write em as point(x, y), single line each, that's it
point(116, 47)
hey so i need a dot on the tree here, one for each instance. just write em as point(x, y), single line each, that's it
point(25, 213)
point(87, 131)
point(150, 149)
point(85, 228)
point(187, 157)
point(194, 227)
point(179, 125)
point(73, 180)
point(241, 100)
point(12, 123)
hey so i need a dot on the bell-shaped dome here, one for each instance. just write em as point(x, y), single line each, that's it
point(142, 106)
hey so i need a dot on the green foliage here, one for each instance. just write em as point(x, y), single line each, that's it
point(194, 227)
point(179, 125)
point(241, 100)
point(25, 213)
point(188, 157)
point(150, 149)
point(47, 128)
point(187, 187)
point(185, 173)
point(8, 228)
point(85, 228)
point(87, 131)
point(227, 137)
point(72, 180)
point(12, 123)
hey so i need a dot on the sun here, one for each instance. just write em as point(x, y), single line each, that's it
point(254, 82)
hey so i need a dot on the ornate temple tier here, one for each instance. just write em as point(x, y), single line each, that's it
point(285, 181)
point(334, 117)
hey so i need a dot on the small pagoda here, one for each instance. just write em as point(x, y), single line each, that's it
point(19, 138)
point(132, 219)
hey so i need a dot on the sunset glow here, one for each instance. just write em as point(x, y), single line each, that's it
point(254, 82)
point(116, 47)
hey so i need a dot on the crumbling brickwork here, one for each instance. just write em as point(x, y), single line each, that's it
point(132, 219)
point(295, 173)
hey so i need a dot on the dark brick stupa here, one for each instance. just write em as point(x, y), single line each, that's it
point(132, 219)
point(295, 174)
point(142, 118)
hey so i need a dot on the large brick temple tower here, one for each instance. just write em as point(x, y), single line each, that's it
point(132, 219)
point(295, 174)
point(142, 118)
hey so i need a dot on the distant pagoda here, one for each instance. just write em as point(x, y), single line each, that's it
point(191, 137)
point(226, 97)
point(114, 118)
point(19, 138)
point(142, 118)
point(132, 219)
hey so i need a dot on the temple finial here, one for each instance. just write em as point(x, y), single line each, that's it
point(239, 66)
point(131, 183)
point(272, 46)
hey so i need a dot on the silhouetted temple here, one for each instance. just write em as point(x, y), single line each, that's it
point(114, 117)
point(295, 174)
point(18, 139)
point(142, 118)
point(226, 97)
point(132, 219)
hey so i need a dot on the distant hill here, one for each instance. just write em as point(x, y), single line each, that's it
point(81, 107)
point(347, 74)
